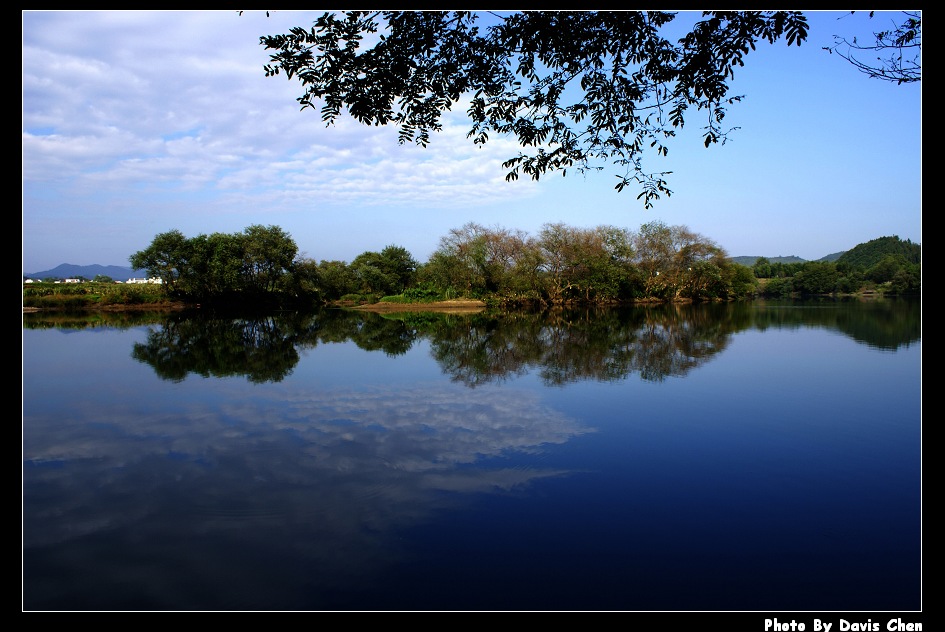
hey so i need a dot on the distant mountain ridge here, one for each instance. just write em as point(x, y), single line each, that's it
point(750, 261)
point(71, 271)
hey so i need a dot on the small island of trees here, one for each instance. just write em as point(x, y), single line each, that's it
point(562, 264)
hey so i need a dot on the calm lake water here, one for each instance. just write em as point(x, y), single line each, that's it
point(744, 457)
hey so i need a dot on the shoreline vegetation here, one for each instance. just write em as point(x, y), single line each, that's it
point(476, 268)
point(93, 302)
point(455, 306)
point(452, 306)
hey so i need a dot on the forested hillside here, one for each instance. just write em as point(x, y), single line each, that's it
point(867, 255)
point(888, 265)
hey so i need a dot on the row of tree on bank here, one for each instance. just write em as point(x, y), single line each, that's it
point(889, 263)
point(561, 264)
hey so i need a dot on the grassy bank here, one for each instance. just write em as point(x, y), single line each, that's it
point(93, 295)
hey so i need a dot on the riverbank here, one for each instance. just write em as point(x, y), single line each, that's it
point(455, 306)
point(92, 307)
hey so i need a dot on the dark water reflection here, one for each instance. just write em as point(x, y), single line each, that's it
point(563, 345)
point(722, 457)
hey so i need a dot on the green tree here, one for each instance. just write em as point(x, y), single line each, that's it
point(335, 279)
point(654, 255)
point(779, 287)
point(302, 281)
point(102, 278)
point(220, 265)
point(907, 280)
point(612, 272)
point(574, 88)
point(484, 258)
point(762, 268)
point(447, 273)
point(397, 262)
point(848, 283)
point(677, 262)
point(166, 258)
point(740, 280)
point(215, 266)
point(525, 280)
point(696, 265)
point(886, 268)
point(225, 263)
point(268, 253)
point(373, 274)
point(583, 263)
point(816, 277)
point(553, 243)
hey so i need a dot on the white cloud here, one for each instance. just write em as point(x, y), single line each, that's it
point(167, 115)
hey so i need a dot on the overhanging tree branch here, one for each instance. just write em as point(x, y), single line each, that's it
point(575, 88)
point(901, 45)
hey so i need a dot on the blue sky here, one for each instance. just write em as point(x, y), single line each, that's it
point(139, 122)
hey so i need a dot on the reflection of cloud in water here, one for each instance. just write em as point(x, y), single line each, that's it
point(327, 476)
point(422, 429)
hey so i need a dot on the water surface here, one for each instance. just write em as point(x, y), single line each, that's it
point(759, 457)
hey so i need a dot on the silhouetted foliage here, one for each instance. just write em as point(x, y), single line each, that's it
point(901, 44)
point(574, 88)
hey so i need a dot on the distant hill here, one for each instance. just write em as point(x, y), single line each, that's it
point(872, 252)
point(750, 261)
point(70, 271)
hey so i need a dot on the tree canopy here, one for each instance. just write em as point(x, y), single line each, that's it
point(255, 260)
point(868, 254)
point(575, 88)
point(901, 45)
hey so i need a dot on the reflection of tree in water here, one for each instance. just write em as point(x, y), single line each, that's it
point(674, 341)
point(882, 324)
point(380, 334)
point(562, 345)
point(570, 345)
point(368, 331)
point(261, 348)
point(66, 320)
